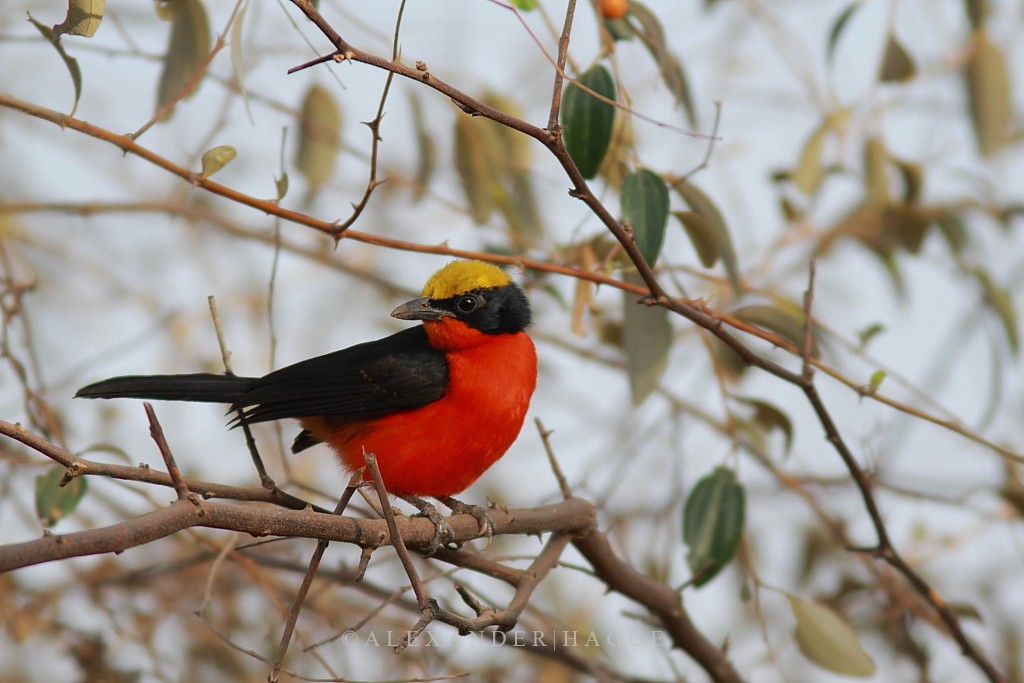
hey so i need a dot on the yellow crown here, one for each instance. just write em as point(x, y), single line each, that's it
point(459, 277)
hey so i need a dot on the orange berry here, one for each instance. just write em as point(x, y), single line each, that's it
point(612, 9)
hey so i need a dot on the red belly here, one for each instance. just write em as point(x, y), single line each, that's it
point(442, 448)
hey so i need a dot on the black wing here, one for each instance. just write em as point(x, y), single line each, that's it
point(365, 381)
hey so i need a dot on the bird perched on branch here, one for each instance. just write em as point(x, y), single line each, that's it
point(438, 403)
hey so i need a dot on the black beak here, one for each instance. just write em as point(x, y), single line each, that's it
point(420, 309)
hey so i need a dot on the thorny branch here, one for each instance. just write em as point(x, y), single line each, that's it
point(551, 138)
point(307, 522)
point(571, 521)
point(884, 548)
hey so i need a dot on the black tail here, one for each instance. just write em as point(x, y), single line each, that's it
point(201, 386)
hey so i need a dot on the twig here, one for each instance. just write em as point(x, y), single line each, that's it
point(661, 600)
point(563, 484)
point(303, 591)
point(157, 432)
point(884, 548)
point(563, 53)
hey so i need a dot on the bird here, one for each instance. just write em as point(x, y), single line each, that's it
point(437, 404)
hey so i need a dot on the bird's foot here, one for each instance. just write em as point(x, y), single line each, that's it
point(443, 533)
point(481, 514)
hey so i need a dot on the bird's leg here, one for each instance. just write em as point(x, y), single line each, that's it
point(443, 533)
point(480, 514)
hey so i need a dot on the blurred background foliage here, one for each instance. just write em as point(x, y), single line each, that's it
point(739, 139)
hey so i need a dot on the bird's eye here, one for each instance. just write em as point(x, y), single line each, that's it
point(466, 304)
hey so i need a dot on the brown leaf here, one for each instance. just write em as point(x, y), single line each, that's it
point(990, 96)
point(897, 64)
point(319, 138)
point(187, 50)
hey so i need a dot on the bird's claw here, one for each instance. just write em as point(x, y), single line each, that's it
point(481, 514)
point(443, 532)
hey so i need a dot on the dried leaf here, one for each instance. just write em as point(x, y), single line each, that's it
point(476, 152)
point(281, 185)
point(825, 639)
point(216, 158)
point(319, 138)
point(646, 337)
point(875, 170)
point(187, 50)
point(644, 203)
point(990, 95)
point(652, 35)
point(882, 228)
point(702, 236)
point(713, 522)
point(587, 121)
point(809, 172)
point(787, 324)
point(708, 211)
point(515, 198)
point(897, 64)
point(584, 297)
point(426, 157)
point(69, 62)
point(237, 63)
point(768, 418)
point(913, 179)
point(83, 18)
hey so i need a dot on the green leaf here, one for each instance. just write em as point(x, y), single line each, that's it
point(83, 18)
point(713, 521)
point(646, 338)
point(652, 35)
point(897, 64)
point(619, 29)
point(216, 158)
point(644, 202)
point(525, 5)
point(990, 93)
point(868, 333)
point(837, 28)
point(712, 217)
point(1001, 303)
point(54, 502)
point(70, 62)
point(587, 121)
point(319, 138)
point(825, 639)
point(877, 377)
point(976, 11)
point(187, 50)
point(952, 228)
